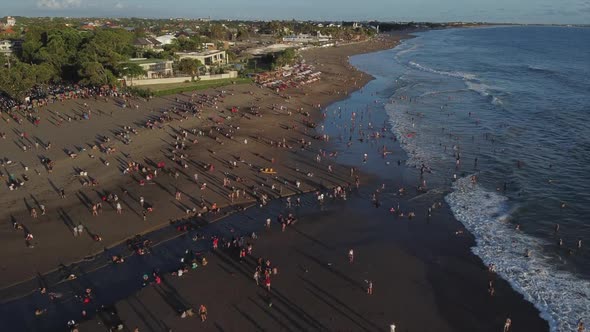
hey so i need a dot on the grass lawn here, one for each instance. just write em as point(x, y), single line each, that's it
point(174, 88)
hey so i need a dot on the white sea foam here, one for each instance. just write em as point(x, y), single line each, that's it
point(560, 296)
point(485, 91)
point(411, 49)
point(456, 74)
point(407, 136)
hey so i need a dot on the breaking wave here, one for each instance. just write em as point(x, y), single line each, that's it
point(456, 74)
point(560, 296)
point(485, 91)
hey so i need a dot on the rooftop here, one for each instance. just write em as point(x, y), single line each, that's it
point(144, 60)
point(204, 53)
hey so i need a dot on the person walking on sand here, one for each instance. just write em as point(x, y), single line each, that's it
point(507, 325)
point(119, 208)
point(34, 213)
point(257, 277)
point(370, 287)
point(350, 256)
point(203, 312)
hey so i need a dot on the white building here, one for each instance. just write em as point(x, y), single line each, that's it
point(7, 47)
point(154, 68)
point(166, 39)
point(10, 21)
point(208, 58)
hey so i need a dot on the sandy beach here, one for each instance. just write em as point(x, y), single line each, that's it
point(424, 275)
point(54, 242)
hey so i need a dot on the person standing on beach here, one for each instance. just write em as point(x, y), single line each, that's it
point(203, 312)
point(350, 256)
point(119, 208)
point(507, 325)
point(257, 277)
point(370, 287)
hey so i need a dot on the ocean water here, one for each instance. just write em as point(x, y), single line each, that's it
point(510, 106)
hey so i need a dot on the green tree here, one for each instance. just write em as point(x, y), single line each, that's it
point(31, 45)
point(131, 70)
point(190, 67)
point(217, 32)
point(106, 47)
point(18, 81)
point(243, 34)
point(284, 58)
point(94, 73)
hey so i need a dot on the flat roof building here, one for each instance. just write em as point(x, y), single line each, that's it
point(207, 58)
point(154, 68)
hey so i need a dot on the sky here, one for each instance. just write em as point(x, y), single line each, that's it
point(504, 11)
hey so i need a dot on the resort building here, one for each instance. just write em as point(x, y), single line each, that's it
point(154, 68)
point(207, 58)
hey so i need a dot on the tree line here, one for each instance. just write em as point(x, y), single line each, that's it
point(66, 55)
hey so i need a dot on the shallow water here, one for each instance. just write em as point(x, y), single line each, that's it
point(518, 100)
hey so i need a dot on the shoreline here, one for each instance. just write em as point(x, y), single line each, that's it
point(431, 301)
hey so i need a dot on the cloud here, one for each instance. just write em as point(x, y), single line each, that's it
point(119, 5)
point(58, 4)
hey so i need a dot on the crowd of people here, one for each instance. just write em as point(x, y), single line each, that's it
point(40, 96)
